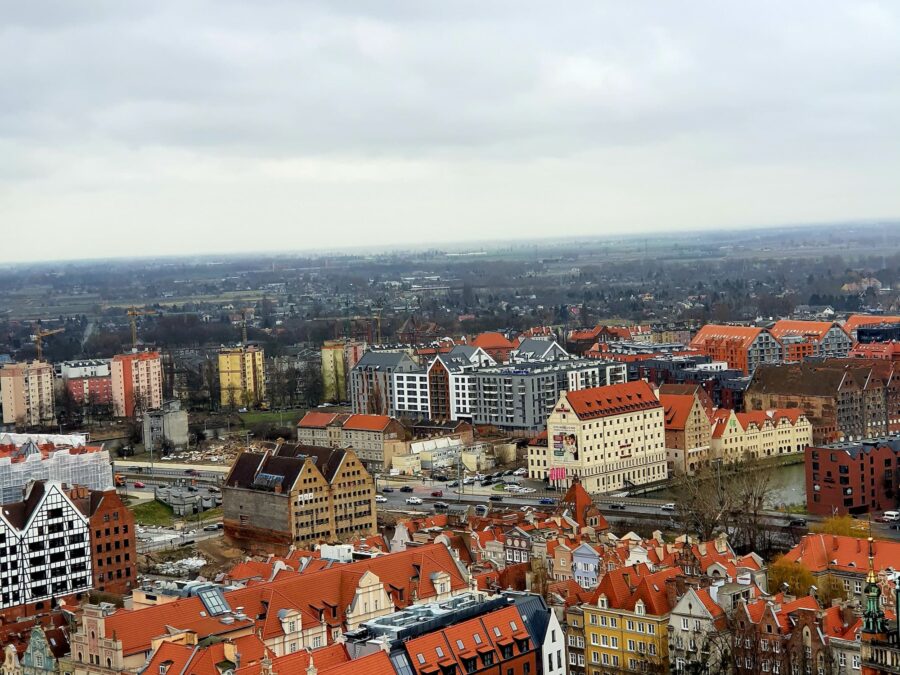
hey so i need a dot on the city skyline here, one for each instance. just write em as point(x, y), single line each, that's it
point(168, 130)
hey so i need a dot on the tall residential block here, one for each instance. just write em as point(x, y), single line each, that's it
point(242, 376)
point(136, 383)
point(26, 392)
point(338, 358)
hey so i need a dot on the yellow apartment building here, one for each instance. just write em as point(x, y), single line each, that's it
point(242, 376)
point(738, 437)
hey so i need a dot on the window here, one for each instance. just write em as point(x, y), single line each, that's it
point(855, 661)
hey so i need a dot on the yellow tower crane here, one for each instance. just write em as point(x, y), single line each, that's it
point(133, 314)
point(38, 338)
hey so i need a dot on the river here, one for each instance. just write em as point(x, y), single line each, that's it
point(789, 483)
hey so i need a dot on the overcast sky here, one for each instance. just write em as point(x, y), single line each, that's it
point(187, 126)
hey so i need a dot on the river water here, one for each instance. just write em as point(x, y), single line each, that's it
point(789, 483)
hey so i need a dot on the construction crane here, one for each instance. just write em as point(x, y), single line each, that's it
point(38, 338)
point(133, 314)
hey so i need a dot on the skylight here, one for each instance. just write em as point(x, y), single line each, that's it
point(477, 638)
point(214, 600)
point(497, 631)
point(459, 644)
point(421, 659)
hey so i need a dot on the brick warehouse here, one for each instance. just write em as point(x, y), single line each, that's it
point(854, 478)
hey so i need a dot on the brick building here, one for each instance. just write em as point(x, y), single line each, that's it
point(843, 398)
point(113, 544)
point(298, 495)
point(853, 478)
point(742, 347)
point(688, 412)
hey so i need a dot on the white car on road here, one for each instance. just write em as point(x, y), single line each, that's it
point(413, 500)
point(381, 499)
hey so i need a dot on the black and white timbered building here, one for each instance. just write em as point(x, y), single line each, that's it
point(45, 548)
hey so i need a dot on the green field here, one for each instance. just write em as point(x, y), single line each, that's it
point(288, 418)
point(153, 513)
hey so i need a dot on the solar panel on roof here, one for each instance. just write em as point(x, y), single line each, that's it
point(267, 480)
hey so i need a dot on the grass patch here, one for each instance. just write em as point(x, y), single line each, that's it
point(154, 513)
point(798, 508)
point(288, 417)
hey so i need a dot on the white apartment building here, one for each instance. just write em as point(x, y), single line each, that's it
point(610, 437)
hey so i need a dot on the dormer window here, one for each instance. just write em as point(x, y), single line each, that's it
point(639, 608)
point(601, 602)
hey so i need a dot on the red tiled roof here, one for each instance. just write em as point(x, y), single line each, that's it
point(677, 410)
point(492, 340)
point(854, 321)
point(616, 399)
point(316, 420)
point(327, 592)
point(367, 422)
point(817, 551)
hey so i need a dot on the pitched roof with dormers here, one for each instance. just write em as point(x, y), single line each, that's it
point(829, 552)
point(322, 595)
point(616, 399)
point(316, 420)
point(745, 335)
point(816, 330)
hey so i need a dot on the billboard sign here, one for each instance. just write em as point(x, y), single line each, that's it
point(564, 442)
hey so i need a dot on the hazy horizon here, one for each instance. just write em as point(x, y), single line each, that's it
point(227, 128)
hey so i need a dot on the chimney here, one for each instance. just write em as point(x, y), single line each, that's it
point(311, 668)
point(834, 542)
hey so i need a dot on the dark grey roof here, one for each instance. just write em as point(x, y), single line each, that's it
point(535, 614)
point(327, 460)
point(538, 347)
point(385, 360)
point(264, 472)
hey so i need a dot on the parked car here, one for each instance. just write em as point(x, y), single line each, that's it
point(547, 500)
point(381, 499)
point(413, 500)
point(668, 507)
point(213, 489)
point(139, 484)
point(496, 498)
point(486, 482)
point(797, 522)
point(437, 493)
point(440, 478)
point(510, 472)
point(210, 528)
point(454, 483)
point(387, 489)
point(406, 488)
point(468, 481)
point(521, 471)
point(439, 506)
point(481, 509)
point(617, 505)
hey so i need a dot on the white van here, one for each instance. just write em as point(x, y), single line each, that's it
point(892, 516)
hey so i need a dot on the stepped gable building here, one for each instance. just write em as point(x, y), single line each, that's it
point(842, 398)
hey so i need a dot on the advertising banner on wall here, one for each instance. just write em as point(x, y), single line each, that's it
point(564, 442)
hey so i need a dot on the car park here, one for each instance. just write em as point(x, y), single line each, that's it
point(413, 500)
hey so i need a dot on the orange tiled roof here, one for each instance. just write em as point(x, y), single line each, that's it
point(714, 332)
point(813, 329)
point(854, 321)
point(817, 551)
point(322, 595)
point(492, 340)
point(677, 410)
point(367, 422)
point(615, 399)
point(316, 420)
